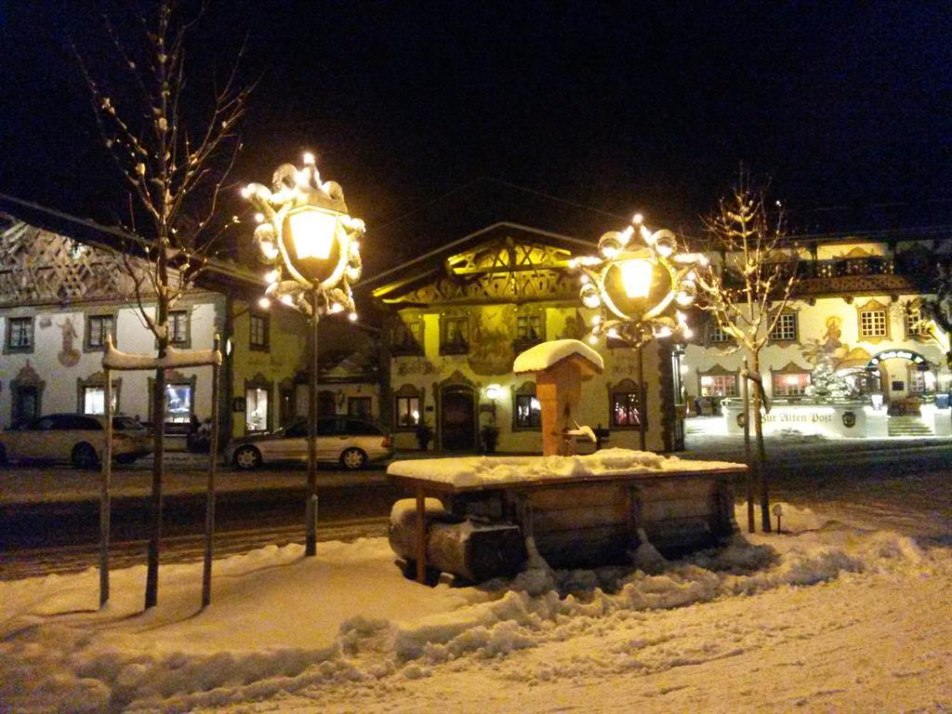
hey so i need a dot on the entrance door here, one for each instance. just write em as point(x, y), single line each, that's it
point(457, 419)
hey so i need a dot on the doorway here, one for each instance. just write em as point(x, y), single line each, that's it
point(457, 418)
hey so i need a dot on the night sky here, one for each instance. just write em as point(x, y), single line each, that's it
point(614, 106)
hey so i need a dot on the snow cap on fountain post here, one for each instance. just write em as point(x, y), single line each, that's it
point(559, 367)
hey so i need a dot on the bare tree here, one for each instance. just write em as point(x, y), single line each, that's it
point(745, 293)
point(938, 307)
point(173, 150)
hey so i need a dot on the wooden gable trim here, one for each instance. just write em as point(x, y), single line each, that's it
point(432, 264)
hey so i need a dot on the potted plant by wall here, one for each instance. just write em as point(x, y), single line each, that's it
point(490, 435)
point(424, 434)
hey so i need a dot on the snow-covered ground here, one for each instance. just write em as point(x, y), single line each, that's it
point(823, 617)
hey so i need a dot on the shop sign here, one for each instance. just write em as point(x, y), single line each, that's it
point(897, 354)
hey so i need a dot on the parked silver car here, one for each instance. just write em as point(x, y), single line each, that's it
point(349, 441)
point(79, 439)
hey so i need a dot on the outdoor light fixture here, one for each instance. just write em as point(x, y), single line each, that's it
point(635, 281)
point(305, 232)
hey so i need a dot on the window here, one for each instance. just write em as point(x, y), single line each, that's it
point(873, 321)
point(455, 335)
point(627, 410)
point(718, 385)
point(19, 334)
point(921, 381)
point(917, 326)
point(178, 403)
point(92, 394)
point(359, 407)
point(98, 327)
point(94, 400)
point(790, 384)
point(529, 331)
point(26, 403)
point(528, 413)
point(408, 412)
point(718, 335)
point(256, 409)
point(179, 332)
point(258, 332)
point(407, 336)
point(786, 328)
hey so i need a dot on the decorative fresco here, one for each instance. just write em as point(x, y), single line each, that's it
point(829, 349)
point(68, 355)
point(492, 352)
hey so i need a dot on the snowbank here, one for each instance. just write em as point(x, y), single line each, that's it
point(820, 617)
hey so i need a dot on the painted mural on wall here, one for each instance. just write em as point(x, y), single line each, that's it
point(830, 350)
point(492, 352)
point(831, 358)
point(68, 355)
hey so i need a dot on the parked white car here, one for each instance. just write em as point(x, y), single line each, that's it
point(349, 441)
point(79, 439)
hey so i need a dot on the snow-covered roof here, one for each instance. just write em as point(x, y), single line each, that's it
point(478, 471)
point(547, 354)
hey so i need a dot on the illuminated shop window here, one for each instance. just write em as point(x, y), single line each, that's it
point(178, 403)
point(528, 413)
point(408, 411)
point(256, 409)
point(790, 384)
point(719, 385)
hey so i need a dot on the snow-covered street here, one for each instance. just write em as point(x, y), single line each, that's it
point(830, 615)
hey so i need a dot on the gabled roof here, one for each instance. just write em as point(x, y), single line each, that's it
point(502, 247)
point(217, 273)
point(469, 213)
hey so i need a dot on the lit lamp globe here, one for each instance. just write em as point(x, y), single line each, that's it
point(312, 234)
point(632, 283)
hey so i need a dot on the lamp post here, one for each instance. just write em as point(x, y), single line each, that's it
point(305, 232)
point(636, 282)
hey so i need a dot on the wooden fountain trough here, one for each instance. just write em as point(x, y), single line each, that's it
point(578, 520)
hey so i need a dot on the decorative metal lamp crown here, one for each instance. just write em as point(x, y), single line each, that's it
point(637, 285)
point(306, 233)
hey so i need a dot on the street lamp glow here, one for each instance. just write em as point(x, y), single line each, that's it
point(304, 229)
point(312, 231)
point(635, 288)
point(636, 277)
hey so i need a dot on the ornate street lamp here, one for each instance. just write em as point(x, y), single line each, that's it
point(306, 233)
point(637, 282)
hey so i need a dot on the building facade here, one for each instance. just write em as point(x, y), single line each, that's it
point(853, 332)
point(457, 318)
point(60, 297)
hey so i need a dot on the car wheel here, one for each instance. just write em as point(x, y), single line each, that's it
point(247, 458)
point(84, 456)
point(353, 459)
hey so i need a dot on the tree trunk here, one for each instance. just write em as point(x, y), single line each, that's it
point(760, 458)
point(158, 469)
point(158, 441)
